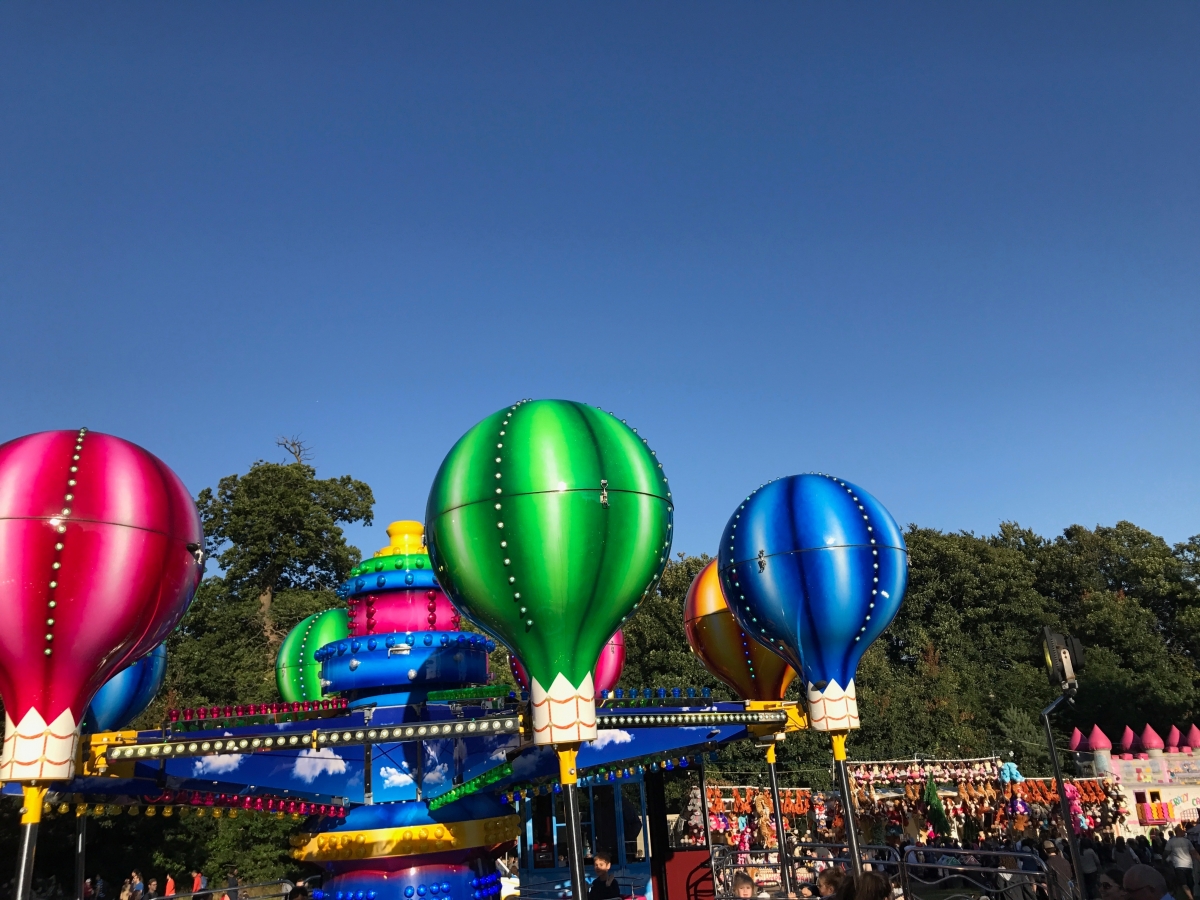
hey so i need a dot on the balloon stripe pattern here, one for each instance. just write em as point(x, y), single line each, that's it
point(816, 569)
point(100, 548)
point(548, 522)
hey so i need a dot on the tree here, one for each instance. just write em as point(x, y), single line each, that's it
point(276, 529)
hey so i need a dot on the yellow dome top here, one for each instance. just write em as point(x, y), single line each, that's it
point(406, 536)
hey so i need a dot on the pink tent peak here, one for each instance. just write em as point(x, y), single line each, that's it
point(1078, 741)
point(1150, 739)
point(1174, 737)
point(1128, 740)
point(1193, 738)
point(1098, 740)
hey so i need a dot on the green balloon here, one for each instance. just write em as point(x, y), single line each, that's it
point(296, 672)
point(547, 524)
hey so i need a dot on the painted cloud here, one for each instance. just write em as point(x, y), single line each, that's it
point(312, 763)
point(217, 765)
point(394, 778)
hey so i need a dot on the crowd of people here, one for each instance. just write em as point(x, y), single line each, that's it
point(194, 885)
point(1111, 868)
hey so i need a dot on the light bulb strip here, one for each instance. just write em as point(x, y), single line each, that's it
point(256, 714)
point(58, 522)
point(631, 718)
point(486, 692)
point(317, 739)
point(470, 787)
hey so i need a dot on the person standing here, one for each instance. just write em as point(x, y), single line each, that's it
point(1179, 854)
point(1060, 871)
point(1089, 867)
point(231, 884)
point(151, 890)
point(169, 887)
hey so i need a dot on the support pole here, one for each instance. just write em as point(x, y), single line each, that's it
point(843, 781)
point(1063, 806)
point(785, 873)
point(368, 795)
point(566, 775)
point(31, 817)
point(704, 807)
point(80, 854)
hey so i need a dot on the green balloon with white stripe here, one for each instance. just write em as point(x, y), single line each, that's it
point(297, 673)
point(547, 523)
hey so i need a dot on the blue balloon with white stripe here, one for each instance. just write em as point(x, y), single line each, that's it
point(127, 694)
point(815, 568)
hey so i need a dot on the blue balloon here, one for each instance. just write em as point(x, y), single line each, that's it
point(815, 568)
point(124, 696)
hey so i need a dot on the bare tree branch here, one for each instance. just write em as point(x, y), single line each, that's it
point(295, 446)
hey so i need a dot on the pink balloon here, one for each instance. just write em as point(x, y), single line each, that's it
point(100, 547)
point(608, 667)
point(604, 677)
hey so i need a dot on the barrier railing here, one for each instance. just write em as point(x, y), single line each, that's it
point(920, 873)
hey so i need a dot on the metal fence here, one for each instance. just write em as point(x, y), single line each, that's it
point(920, 873)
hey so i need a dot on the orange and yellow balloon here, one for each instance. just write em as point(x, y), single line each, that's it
point(748, 667)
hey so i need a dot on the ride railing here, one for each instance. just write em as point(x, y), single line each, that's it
point(919, 873)
point(534, 888)
point(263, 891)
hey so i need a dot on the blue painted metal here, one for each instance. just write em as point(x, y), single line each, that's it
point(402, 661)
point(388, 581)
point(815, 568)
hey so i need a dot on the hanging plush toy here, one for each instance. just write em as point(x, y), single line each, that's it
point(1009, 774)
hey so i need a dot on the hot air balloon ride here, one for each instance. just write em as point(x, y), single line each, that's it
point(756, 674)
point(547, 523)
point(100, 554)
point(126, 695)
point(749, 668)
point(604, 677)
point(815, 568)
point(297, 670)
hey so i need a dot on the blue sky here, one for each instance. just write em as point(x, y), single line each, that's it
point(946, 251)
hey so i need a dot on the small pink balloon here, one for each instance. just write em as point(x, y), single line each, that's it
point(608, 667)
point(604, 677)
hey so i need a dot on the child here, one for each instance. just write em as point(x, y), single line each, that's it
point(604, 886)
point(743, 886)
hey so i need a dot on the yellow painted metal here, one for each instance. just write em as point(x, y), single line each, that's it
point(407, 841)
point(35, 796)
point(839, 744)
point(405, 537)
point(796, 718)
point(566, 763)
point(93, 760)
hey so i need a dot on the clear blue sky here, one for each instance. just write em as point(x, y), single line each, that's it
point(947, 251)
